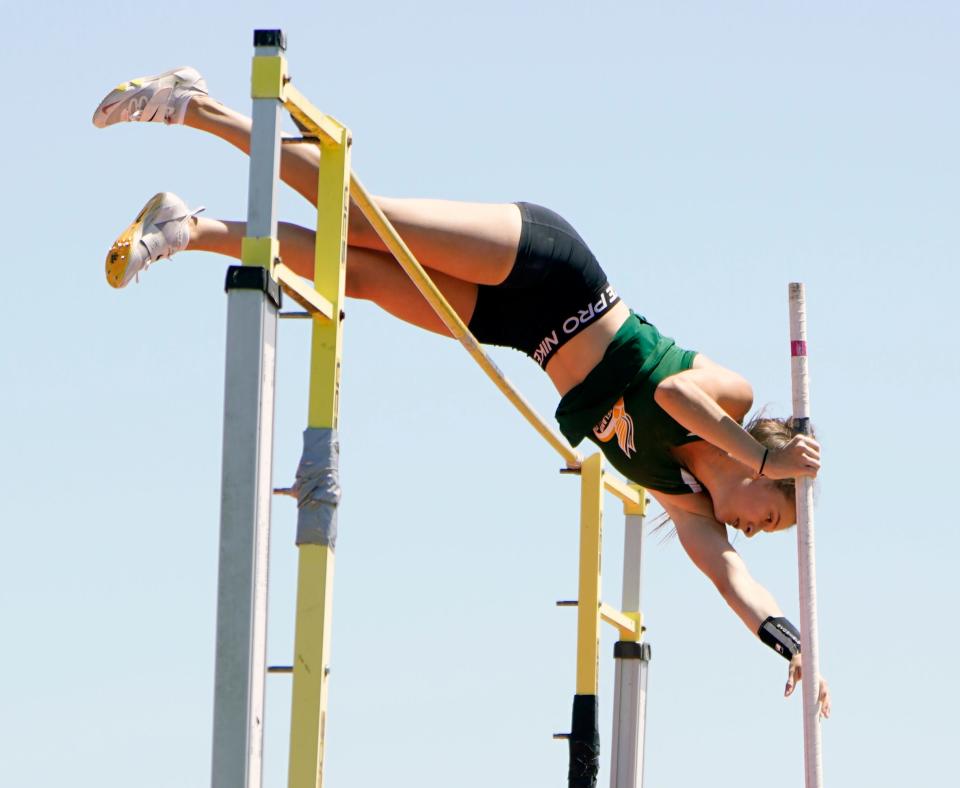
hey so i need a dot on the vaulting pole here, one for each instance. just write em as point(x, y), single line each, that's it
point(805, 547)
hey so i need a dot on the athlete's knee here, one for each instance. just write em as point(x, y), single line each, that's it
point(359, 231)
point(354, 286)
point(362, 280)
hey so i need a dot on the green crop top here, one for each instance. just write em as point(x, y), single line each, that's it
point(614, 407)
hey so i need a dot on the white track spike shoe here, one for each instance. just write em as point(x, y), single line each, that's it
point(162, 98)
point(161, 229)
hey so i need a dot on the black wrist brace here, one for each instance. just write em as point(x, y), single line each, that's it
point(782, 636)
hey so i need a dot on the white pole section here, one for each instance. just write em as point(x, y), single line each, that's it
point(805, 547)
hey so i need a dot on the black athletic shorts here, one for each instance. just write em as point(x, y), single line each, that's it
point(555, 289)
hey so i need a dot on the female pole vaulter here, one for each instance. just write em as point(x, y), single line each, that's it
point(520, 276)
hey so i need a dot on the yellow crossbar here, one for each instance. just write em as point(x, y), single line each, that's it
point(452, 320)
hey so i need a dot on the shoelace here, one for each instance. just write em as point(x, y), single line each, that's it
point(150, 261)
point(180, 91)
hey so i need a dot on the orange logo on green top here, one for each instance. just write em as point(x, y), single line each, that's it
point(617, 423)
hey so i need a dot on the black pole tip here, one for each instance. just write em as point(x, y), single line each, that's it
point(269, 38)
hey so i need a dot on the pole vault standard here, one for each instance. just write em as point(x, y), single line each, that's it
point(253, 303)
point(254, 299)
point(806, 556)
point(317, 485)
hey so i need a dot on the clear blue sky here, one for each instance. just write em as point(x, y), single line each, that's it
point(710, 153)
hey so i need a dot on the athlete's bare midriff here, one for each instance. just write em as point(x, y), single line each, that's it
point(572, 362)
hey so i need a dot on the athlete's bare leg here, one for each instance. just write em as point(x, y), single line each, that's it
point(475, 242)
point(371, 275)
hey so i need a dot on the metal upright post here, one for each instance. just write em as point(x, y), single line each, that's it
point(253, 302)
point(632, 661)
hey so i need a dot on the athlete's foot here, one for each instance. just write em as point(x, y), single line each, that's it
point(162, 228)
point(161, 98)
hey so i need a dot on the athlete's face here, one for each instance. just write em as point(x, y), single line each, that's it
point(755, 507)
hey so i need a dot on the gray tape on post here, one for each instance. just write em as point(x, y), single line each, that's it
point(318, 487)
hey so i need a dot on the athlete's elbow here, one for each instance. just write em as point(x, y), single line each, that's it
point(741, 396)
point(672, 390)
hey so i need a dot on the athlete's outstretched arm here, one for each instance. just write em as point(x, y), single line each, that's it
point(705, 541)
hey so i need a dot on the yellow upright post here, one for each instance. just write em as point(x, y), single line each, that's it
point(588, 605)
point(584, 733)
point(316, 546)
